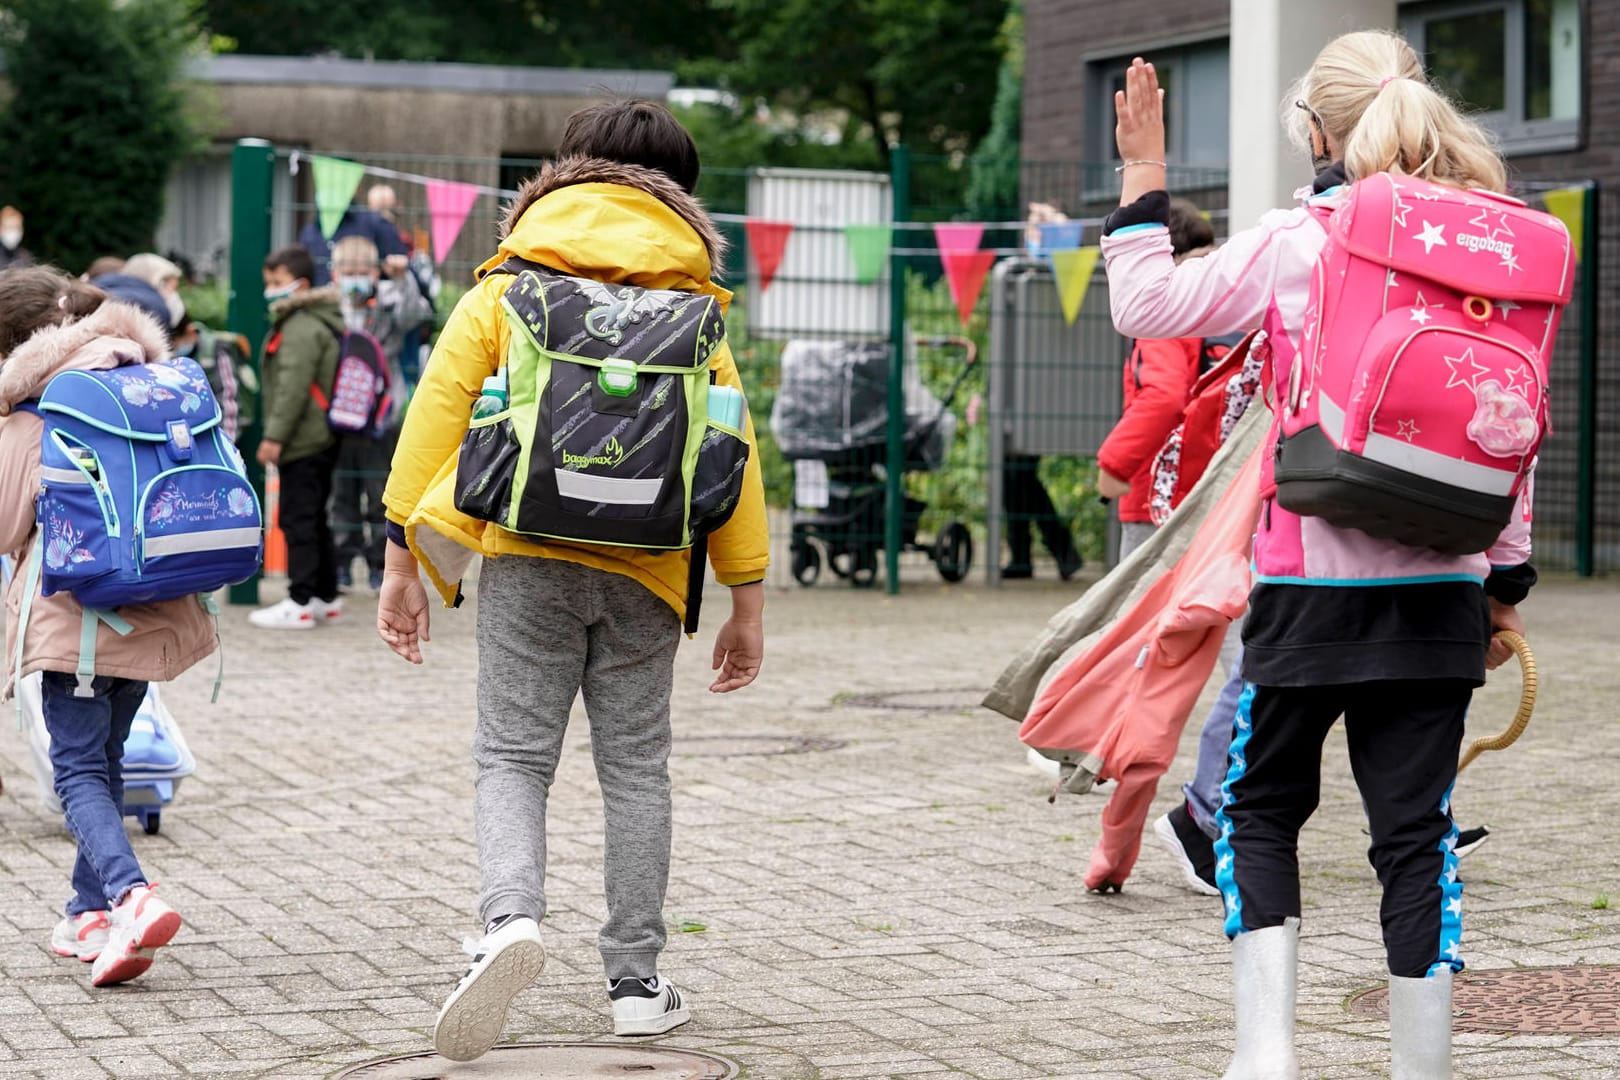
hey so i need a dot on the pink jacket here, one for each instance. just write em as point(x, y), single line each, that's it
point(1123, 702)
point(166, 638)
point(1263, 276)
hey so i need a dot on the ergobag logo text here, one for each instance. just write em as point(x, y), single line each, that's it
point(1418, 399)
point(607, 436)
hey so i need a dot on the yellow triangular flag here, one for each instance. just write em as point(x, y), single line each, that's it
point(1073, 270)
point(1569, 206)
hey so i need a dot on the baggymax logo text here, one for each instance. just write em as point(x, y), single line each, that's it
point(610, 456)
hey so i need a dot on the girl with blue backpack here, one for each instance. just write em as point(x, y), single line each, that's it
point(51, 324)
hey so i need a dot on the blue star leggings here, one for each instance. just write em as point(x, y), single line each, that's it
point(1404, 738)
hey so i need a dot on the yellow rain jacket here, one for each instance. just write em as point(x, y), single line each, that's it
point(616, 223)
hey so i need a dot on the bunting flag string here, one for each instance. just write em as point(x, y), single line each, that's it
point(869, 247)
point(449, 203)
point(1072, 270)
point(1569, 206)
point(336, 181)
point(965, 272)
point(768, 242)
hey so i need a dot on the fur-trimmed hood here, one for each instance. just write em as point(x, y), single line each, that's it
point(303, 301)
point(114, 335)
point(572, 171)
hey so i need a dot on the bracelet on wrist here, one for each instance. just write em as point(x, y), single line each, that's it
point(1122, 166)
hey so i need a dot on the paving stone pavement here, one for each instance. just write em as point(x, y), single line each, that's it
point(898, 899)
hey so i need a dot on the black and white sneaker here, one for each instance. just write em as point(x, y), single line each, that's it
point(1193, 851)
point(646, 1006)
point(507, 960)
point(1471, 840)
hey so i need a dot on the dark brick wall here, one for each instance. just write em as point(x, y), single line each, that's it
point(1058, 33)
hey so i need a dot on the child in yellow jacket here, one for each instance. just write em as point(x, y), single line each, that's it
point(556, 618)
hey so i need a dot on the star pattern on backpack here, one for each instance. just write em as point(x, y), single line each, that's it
point(1431, 237)
point(1420, 313)
point(1407, 429)
point(1469, 380)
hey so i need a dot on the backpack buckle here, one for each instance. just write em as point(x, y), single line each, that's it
point(180, 442)
point(617, 377)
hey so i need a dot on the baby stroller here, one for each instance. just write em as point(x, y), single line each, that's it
point(156, 757)
point(831, 420)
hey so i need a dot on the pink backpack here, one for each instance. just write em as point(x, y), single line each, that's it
point(1418, 398)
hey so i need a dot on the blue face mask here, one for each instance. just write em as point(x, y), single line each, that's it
point(280, 292)
point(357, 287)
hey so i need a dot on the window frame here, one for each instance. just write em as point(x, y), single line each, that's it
point(1102, 68)
point(1516, 134)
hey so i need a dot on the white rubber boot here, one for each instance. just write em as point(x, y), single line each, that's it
point(1420, 1027)
point(1264, 971)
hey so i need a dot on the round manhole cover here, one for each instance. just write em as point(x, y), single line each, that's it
point(751, 745)
point(928, 700)
point(556, 1061)
point(1525, 1001)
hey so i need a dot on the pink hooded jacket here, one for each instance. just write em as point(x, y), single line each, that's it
point(166, 638)
point(1263, 276)
point(1123, 702)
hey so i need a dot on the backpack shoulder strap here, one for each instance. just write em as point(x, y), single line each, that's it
point(515, 265)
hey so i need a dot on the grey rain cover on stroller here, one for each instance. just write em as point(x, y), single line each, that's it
point(834, 399)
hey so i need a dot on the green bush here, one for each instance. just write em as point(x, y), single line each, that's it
point(96, 121)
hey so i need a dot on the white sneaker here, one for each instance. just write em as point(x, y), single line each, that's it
point(140, 925)
point(505, 962)
point(287, 615)
point(646, 1006)
point(327, 611)
point(81, 936)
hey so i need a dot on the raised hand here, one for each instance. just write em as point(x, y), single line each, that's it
point(1139, 131)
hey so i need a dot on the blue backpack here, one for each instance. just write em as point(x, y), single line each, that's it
point(141, 497)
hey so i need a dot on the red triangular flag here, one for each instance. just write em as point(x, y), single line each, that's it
point(964, 273)
point(768, 241)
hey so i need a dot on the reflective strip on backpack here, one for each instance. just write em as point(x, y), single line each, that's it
point(212, 540)
point(62, 476)
point(611, 490)
point(1388, 450)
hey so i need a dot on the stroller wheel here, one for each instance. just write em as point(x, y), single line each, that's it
point(953, 551)
point(806, 562)
point(865, 568)
point(151, 823)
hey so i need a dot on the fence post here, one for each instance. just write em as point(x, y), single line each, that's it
point(895, 480)
point(252, 173)
point(1586, 467)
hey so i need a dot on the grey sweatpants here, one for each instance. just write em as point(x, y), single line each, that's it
point(548, 629)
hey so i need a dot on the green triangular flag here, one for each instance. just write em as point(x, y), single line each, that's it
point(869, 247)
point(336, 181)
point(1569, 206)
point(1072, 271)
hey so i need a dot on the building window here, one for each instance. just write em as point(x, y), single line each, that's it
point(1515, 63)
point(1195, 80)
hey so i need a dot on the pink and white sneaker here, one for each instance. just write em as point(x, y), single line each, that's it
point(81, 936)
point(140, 925)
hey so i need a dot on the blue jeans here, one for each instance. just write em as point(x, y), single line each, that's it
point(1204, 792)
point(87, 757)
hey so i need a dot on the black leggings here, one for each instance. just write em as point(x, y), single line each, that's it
point(1404, 738)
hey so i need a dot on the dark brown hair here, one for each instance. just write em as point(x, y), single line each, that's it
point(1189, 228)
point(295, 260)
point(635, 133)
point(39, 296)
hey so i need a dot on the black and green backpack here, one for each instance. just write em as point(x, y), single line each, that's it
point(612, 432)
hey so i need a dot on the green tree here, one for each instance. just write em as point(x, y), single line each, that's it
point(916, 71)
point(993, 181)
point(96, 121)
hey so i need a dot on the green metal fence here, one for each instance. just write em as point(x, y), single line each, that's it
point(1017, 392)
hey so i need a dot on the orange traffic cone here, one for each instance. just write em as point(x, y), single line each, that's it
point(275, 544)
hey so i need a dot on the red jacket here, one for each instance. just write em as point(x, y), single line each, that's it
point(1159, 375)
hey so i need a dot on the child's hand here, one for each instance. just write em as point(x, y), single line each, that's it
point(1110, 486)
point(740, 645)
point(1503, 617)
point(402, 612)
point(1139, 109)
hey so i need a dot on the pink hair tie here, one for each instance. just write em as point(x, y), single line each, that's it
point(1387, 80)
point(61, 301)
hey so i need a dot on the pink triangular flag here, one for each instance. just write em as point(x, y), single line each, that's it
point(449, 203)
point(768, 241)
point(964, 273)
point(958, 237)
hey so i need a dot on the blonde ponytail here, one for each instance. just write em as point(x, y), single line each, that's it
point(1370, 92)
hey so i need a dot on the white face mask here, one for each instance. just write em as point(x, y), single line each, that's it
point(10, 238)
point(177, 309)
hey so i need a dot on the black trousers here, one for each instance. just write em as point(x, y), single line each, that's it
point(1027, 503)
point(358, 521)
point(306, 486)
point(1404, 738)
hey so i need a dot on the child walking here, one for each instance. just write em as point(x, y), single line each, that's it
point(1393, 637)
point(558, 618)
point(50, 323)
